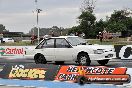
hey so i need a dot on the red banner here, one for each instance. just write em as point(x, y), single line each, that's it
point(93, 74)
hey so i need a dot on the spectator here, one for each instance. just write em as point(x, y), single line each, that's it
point(32, 39)
point(100, 36)
point(52, 34)
point(76, 34)
point(104, 33)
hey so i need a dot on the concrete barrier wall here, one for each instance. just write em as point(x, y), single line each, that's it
point(13, 52)
point(64, 73)
point(29, 71)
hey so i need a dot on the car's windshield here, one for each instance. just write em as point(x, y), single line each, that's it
point(76, 41)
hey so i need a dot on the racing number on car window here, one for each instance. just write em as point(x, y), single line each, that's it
point(48, 44)
point(61, 43)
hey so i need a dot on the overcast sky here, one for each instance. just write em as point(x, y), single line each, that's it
point(19, 16)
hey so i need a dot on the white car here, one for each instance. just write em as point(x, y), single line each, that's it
point(72, 48)
point(8, 40)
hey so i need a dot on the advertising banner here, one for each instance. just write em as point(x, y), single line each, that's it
point(100, 74)
point(23, 52)
point(12, 51)
point(92, 74)
point(123, 51)
point(29, 71)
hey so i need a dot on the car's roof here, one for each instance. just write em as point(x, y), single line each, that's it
point(64, 36)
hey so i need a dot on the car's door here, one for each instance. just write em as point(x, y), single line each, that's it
point(47, 49)
point(63, 50)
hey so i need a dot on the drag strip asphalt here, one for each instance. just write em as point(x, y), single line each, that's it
point(50, 84)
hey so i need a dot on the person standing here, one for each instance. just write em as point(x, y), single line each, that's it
point(52, 33)
point(104, 35)
point(100, 36)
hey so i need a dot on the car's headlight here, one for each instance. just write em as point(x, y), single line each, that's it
point(98, 51)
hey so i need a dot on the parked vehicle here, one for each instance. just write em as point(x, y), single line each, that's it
point(8, 40)
point(71, 48)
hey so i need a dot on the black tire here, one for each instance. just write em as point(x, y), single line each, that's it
point(40, 59)
point(103, 62)
point(81, 80)
point(83, 59)
point(59, 62)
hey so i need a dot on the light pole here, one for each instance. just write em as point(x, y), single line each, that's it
point(37, 13)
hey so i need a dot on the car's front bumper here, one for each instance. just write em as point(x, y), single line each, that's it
point(106, 55)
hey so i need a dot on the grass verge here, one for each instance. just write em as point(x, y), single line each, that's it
point(114, 41)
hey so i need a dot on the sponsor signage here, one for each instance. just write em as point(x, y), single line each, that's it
point(108, 78)
point(123, 51)
point(29, 71)
point(11, 51)
point(93, 74)
point(21, 72)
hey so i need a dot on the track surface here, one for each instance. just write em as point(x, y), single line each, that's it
point(49, 84)
point(111, 63)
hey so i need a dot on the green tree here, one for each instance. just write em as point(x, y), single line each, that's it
point(116, 27)
point(74, 29)
point(129, 23)
point(2, 28)
point(100, 25)
point(119, 16)
point(87, 21)
point(120, 21)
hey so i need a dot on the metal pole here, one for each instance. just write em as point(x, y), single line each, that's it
point(37, 11)
point(37, 26)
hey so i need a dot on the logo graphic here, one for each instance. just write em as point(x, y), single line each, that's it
point(99, 74)
point(2, 51)
point(126, 52)
point(11, 51)
point(19, 71)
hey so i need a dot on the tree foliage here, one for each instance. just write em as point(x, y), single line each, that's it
point(2, 28)
point(119, 21)
point(87, 21)
point(100, 25)
point(119, 16)
point(74, 29)
point(116, 27)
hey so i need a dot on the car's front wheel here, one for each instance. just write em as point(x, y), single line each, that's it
point(83, 59)
point(81, 80)
point(103, 62)
point(40, 59)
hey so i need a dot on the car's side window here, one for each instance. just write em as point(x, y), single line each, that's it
point(40, 45)
point(48, 44)
point(62, 43)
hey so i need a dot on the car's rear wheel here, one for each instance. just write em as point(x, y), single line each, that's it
point(40, 59)
point(83, 59)
point(103, 62)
